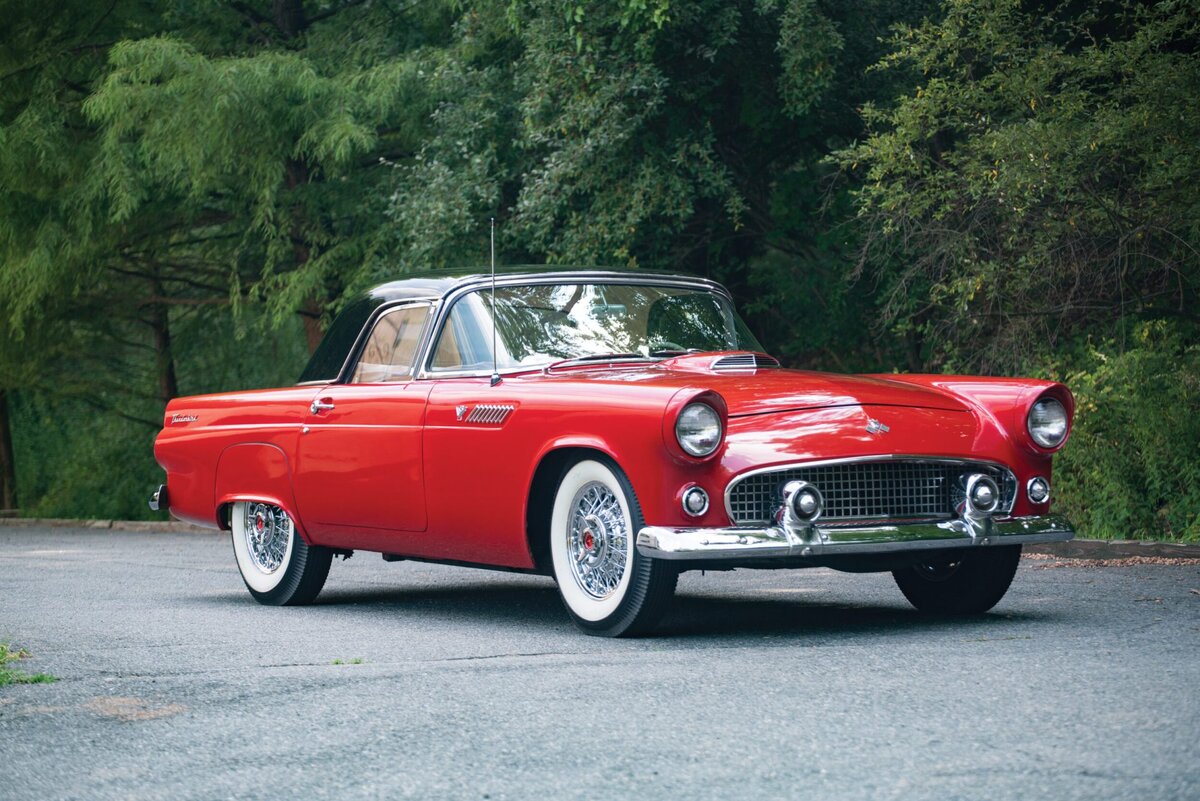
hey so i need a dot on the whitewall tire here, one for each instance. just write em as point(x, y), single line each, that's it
point(278, 567)
point(607, 586)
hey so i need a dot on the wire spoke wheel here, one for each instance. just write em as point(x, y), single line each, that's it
point(277, 565)
point(598, 540)
point(609, 589)
point(269, 532)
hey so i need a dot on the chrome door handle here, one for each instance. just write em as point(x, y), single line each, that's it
point(319, 406)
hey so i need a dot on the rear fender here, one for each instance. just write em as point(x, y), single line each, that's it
point(255, 471)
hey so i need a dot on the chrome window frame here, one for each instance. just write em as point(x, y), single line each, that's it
point(484, 283)
point(894, 457)
point(347, 371)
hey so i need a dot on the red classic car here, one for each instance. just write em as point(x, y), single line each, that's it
point(611, 430)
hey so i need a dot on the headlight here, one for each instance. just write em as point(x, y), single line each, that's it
point(698, 429)
point(1048, 423)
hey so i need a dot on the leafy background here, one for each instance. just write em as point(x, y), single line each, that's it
point(188, 192)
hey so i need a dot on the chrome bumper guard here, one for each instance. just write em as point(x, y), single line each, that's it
point(737, 543)
point(158, 500)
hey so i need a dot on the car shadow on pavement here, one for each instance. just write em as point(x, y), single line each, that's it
point(502, 599)
point(498, 601)
point(537, 605)
point(701, 616)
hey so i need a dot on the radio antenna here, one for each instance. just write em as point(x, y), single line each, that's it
point(495, 322)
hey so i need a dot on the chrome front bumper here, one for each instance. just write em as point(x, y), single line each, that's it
point(736, 543)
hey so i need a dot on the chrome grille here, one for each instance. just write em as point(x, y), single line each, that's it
point(894, 489)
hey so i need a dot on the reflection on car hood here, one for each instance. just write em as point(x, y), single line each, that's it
point(769, 390)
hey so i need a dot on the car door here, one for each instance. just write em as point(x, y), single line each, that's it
point(359, 479)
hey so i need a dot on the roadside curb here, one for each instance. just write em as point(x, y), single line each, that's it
point(1075, 549)
point(167, 526)
point(1116, 549)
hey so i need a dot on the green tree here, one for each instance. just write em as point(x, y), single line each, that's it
point(666, 136)
point(1038, 181)
point(276, 134)
point(1029, 206)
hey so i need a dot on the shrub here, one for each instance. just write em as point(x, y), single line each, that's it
point(1132, 467)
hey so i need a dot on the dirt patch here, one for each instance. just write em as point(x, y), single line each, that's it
point(131, 709)
point(1129, 561)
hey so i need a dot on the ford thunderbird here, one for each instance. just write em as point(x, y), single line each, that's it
point(611, 430)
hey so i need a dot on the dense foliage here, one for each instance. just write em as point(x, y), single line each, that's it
point(188, 190)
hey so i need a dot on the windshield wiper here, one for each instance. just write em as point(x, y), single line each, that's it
point(599, 357)
point(663, 353)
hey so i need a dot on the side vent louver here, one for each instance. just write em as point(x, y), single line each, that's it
point(745, 361)
point(489, 413)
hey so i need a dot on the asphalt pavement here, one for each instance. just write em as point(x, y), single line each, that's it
point(411, 680)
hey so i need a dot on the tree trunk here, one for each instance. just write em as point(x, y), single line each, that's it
point(160, 323)
point(289, 17)
point(8, 468)
point(313, 334)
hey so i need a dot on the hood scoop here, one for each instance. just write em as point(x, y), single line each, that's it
point(733, 362)
point(738, 362)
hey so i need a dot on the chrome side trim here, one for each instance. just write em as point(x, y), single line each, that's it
point(734, 543)
point(962, 462)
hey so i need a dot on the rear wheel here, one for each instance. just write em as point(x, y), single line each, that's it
point(609, 589)
point(279, 568)
point(968, 583)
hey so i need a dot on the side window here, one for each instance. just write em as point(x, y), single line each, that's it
point(463, 343)
point(389, 352)
point(326, 363)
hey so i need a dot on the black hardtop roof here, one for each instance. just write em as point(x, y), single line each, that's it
point(434, 285)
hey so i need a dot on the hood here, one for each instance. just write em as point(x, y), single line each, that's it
point(754, 384)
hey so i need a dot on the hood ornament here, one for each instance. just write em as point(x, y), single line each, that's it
point(876, 427)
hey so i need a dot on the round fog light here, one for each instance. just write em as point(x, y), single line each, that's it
point(1038, 490)
point(805, 500)
point(983, 495)
point(695, 501)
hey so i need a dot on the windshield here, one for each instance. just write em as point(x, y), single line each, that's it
point(541, 324)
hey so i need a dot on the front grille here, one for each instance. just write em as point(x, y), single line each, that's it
point(897, 489)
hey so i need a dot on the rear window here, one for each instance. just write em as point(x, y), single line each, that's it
point(326, 363)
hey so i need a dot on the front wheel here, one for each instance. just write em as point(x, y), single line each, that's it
point(968, 583)
point(609, 589)
point(279, 568)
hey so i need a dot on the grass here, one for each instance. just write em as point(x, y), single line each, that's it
point(10, 675)
point(355, 661)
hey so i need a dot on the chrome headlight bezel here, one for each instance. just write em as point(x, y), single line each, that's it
point(699, 430)
point(1048, 422)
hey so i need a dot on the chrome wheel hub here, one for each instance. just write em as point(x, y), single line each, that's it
point(268, 532)
point(598, 540)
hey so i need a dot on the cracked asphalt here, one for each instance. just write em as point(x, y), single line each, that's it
point(410, 680)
